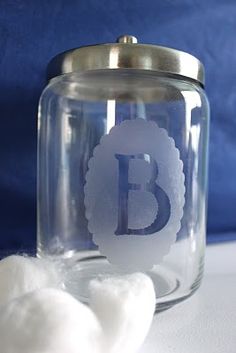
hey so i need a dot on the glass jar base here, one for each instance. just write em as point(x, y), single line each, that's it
point(168, 284)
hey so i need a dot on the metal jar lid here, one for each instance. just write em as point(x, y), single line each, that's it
point(128, 54)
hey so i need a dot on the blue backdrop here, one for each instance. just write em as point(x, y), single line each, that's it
point(31, 32)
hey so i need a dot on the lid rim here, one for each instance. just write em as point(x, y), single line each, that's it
point(128, 56)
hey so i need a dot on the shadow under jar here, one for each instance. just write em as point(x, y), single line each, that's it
point(122, 166)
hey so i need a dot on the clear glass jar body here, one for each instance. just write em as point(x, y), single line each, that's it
point(159, 133)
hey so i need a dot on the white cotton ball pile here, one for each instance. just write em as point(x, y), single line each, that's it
point(125, 306)
point(20, 275)
point(36, 316)
point(49, 321)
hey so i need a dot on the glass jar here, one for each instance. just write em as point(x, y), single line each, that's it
point(122, 166)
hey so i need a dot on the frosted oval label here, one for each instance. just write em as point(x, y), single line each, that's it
point(134, 194)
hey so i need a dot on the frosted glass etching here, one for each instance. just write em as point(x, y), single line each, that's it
point(134, 194)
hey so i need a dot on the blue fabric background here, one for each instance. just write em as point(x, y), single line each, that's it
point(31, 32)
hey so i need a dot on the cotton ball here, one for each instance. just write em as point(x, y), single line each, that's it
point(20, 275)
point(125, 307)
point(49, 321)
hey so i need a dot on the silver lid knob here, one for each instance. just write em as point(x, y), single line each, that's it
point(127, 39)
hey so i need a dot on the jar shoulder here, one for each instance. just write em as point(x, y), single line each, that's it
point(124, 86)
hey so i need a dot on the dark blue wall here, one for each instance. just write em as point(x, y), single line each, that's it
point(31, 32)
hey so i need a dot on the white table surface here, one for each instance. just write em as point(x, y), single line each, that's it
point(205, 323)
